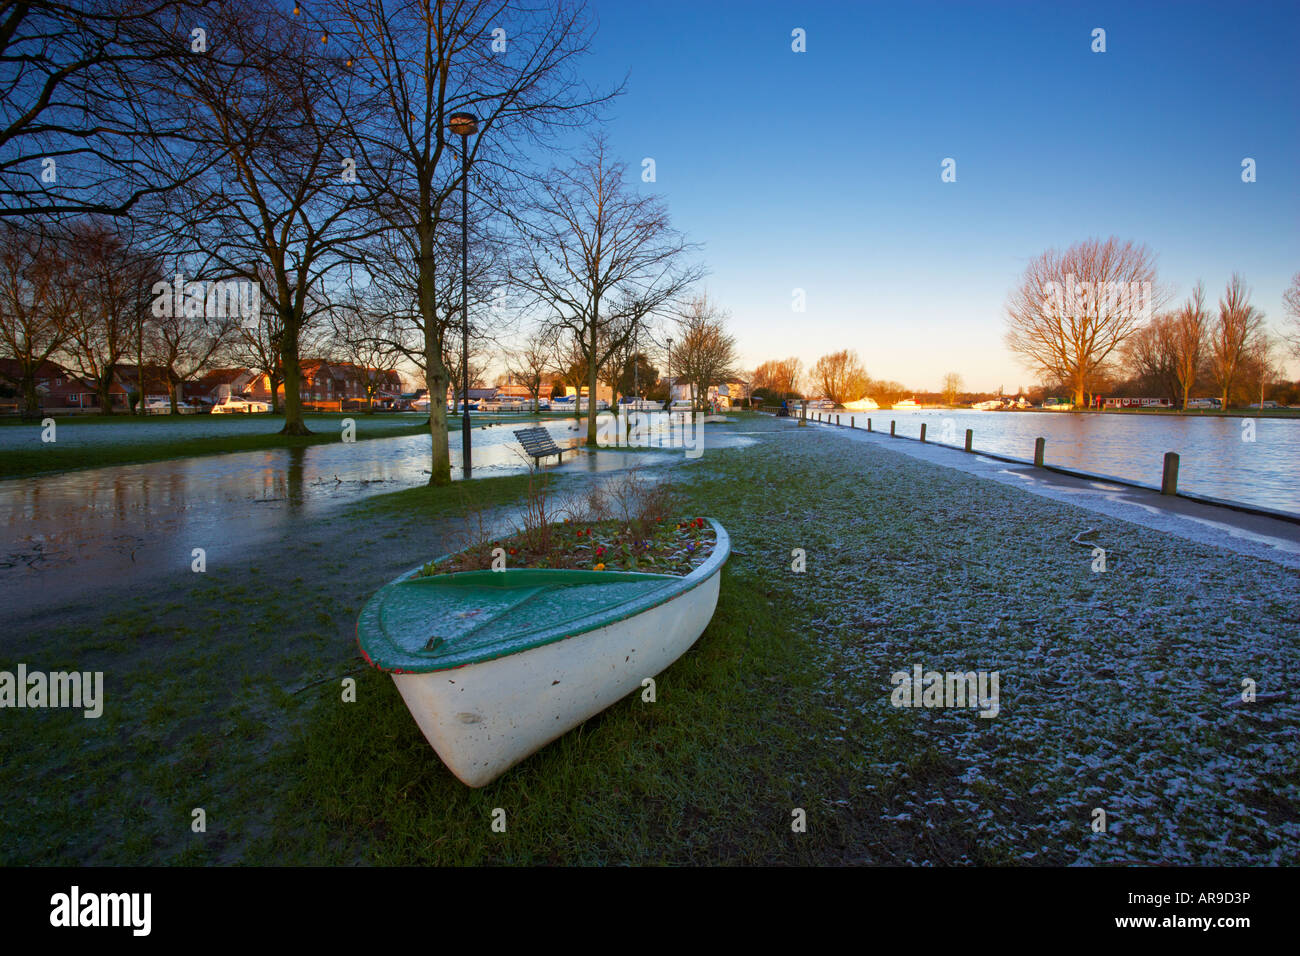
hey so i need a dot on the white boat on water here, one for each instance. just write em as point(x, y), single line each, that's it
point(494, 665)
point(862, 405)
point(906, 403)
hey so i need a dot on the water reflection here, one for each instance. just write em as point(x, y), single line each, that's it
point(62, 533)
point(1215, 460)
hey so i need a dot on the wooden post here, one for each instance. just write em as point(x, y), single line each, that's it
point(868, 424)
point(837, 419)
point(1040, 446)
point(891, 428)
point(851, 421)
point(922, 431)
point(1169, 480)
point(969, 435)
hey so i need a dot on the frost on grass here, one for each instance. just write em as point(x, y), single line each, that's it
point(1114, 685)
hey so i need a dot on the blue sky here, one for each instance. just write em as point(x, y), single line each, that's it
point(821, 170)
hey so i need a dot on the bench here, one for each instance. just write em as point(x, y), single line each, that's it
point(538, 443)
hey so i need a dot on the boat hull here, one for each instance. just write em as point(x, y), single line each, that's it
point(484, 718)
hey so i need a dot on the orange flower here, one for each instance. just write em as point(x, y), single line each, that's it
point(599, 567)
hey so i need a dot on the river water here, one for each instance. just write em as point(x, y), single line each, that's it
point(1253, 461)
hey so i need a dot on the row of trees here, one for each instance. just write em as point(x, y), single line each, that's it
point(1086, 317)
point(309, 152)
point(84, 297)
point(838, 376)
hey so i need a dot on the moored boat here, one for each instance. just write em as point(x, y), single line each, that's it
point(494, 665)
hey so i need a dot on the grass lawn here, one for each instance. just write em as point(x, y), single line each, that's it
point(227, 696)
point(97, 441)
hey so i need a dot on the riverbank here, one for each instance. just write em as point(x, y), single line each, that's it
point(1117, 691)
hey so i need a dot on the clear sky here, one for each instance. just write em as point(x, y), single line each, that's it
point(821, 170)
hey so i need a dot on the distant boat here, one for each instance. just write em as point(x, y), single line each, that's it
point(989, 406)
point(907, 403)
point(862, 405)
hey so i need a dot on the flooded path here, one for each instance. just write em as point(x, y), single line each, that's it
point(66, 535)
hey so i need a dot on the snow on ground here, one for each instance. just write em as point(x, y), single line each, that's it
point(1261, 538)
point(1119, 690)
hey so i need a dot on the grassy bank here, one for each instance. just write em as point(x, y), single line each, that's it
point(87, 442)
point(228, 696)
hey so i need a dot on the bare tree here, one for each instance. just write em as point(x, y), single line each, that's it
point(707, 353)
point(1073, 310)
point(362, 335)
point(1291, 306)
point(424, 62)
point(569, 360)
point(453, 361)
point(111, 282)
point(951, 386)
point(602, 259)
point(85, 126)
point(779, 376)
point(529, 363)
point(1259, 364)
point(1189, 329)
point(1151, 355)
point(1232, 334)
point(185, 346)
point(35, 306)
point(840, 376)
point(278, 208)
point(255, 345)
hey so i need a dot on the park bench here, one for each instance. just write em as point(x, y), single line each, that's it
point(538, 443)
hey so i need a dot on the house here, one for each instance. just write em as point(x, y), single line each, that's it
point(153, 381)
point(48, 375)
point(73, 391)
point(234, 381)
point(323, 381)
point(513, 391)
point(604, 393)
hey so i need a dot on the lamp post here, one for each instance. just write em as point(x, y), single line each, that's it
point(464, 125)
point(671, 384)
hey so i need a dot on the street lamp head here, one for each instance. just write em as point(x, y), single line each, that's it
point(463, 124)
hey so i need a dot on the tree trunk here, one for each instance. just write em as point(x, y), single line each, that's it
point(436, 381)
point(592, 375)
point(274, 382)
point(105, 390)
point(31, 402)
point(171, 396)
point(293, 420)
